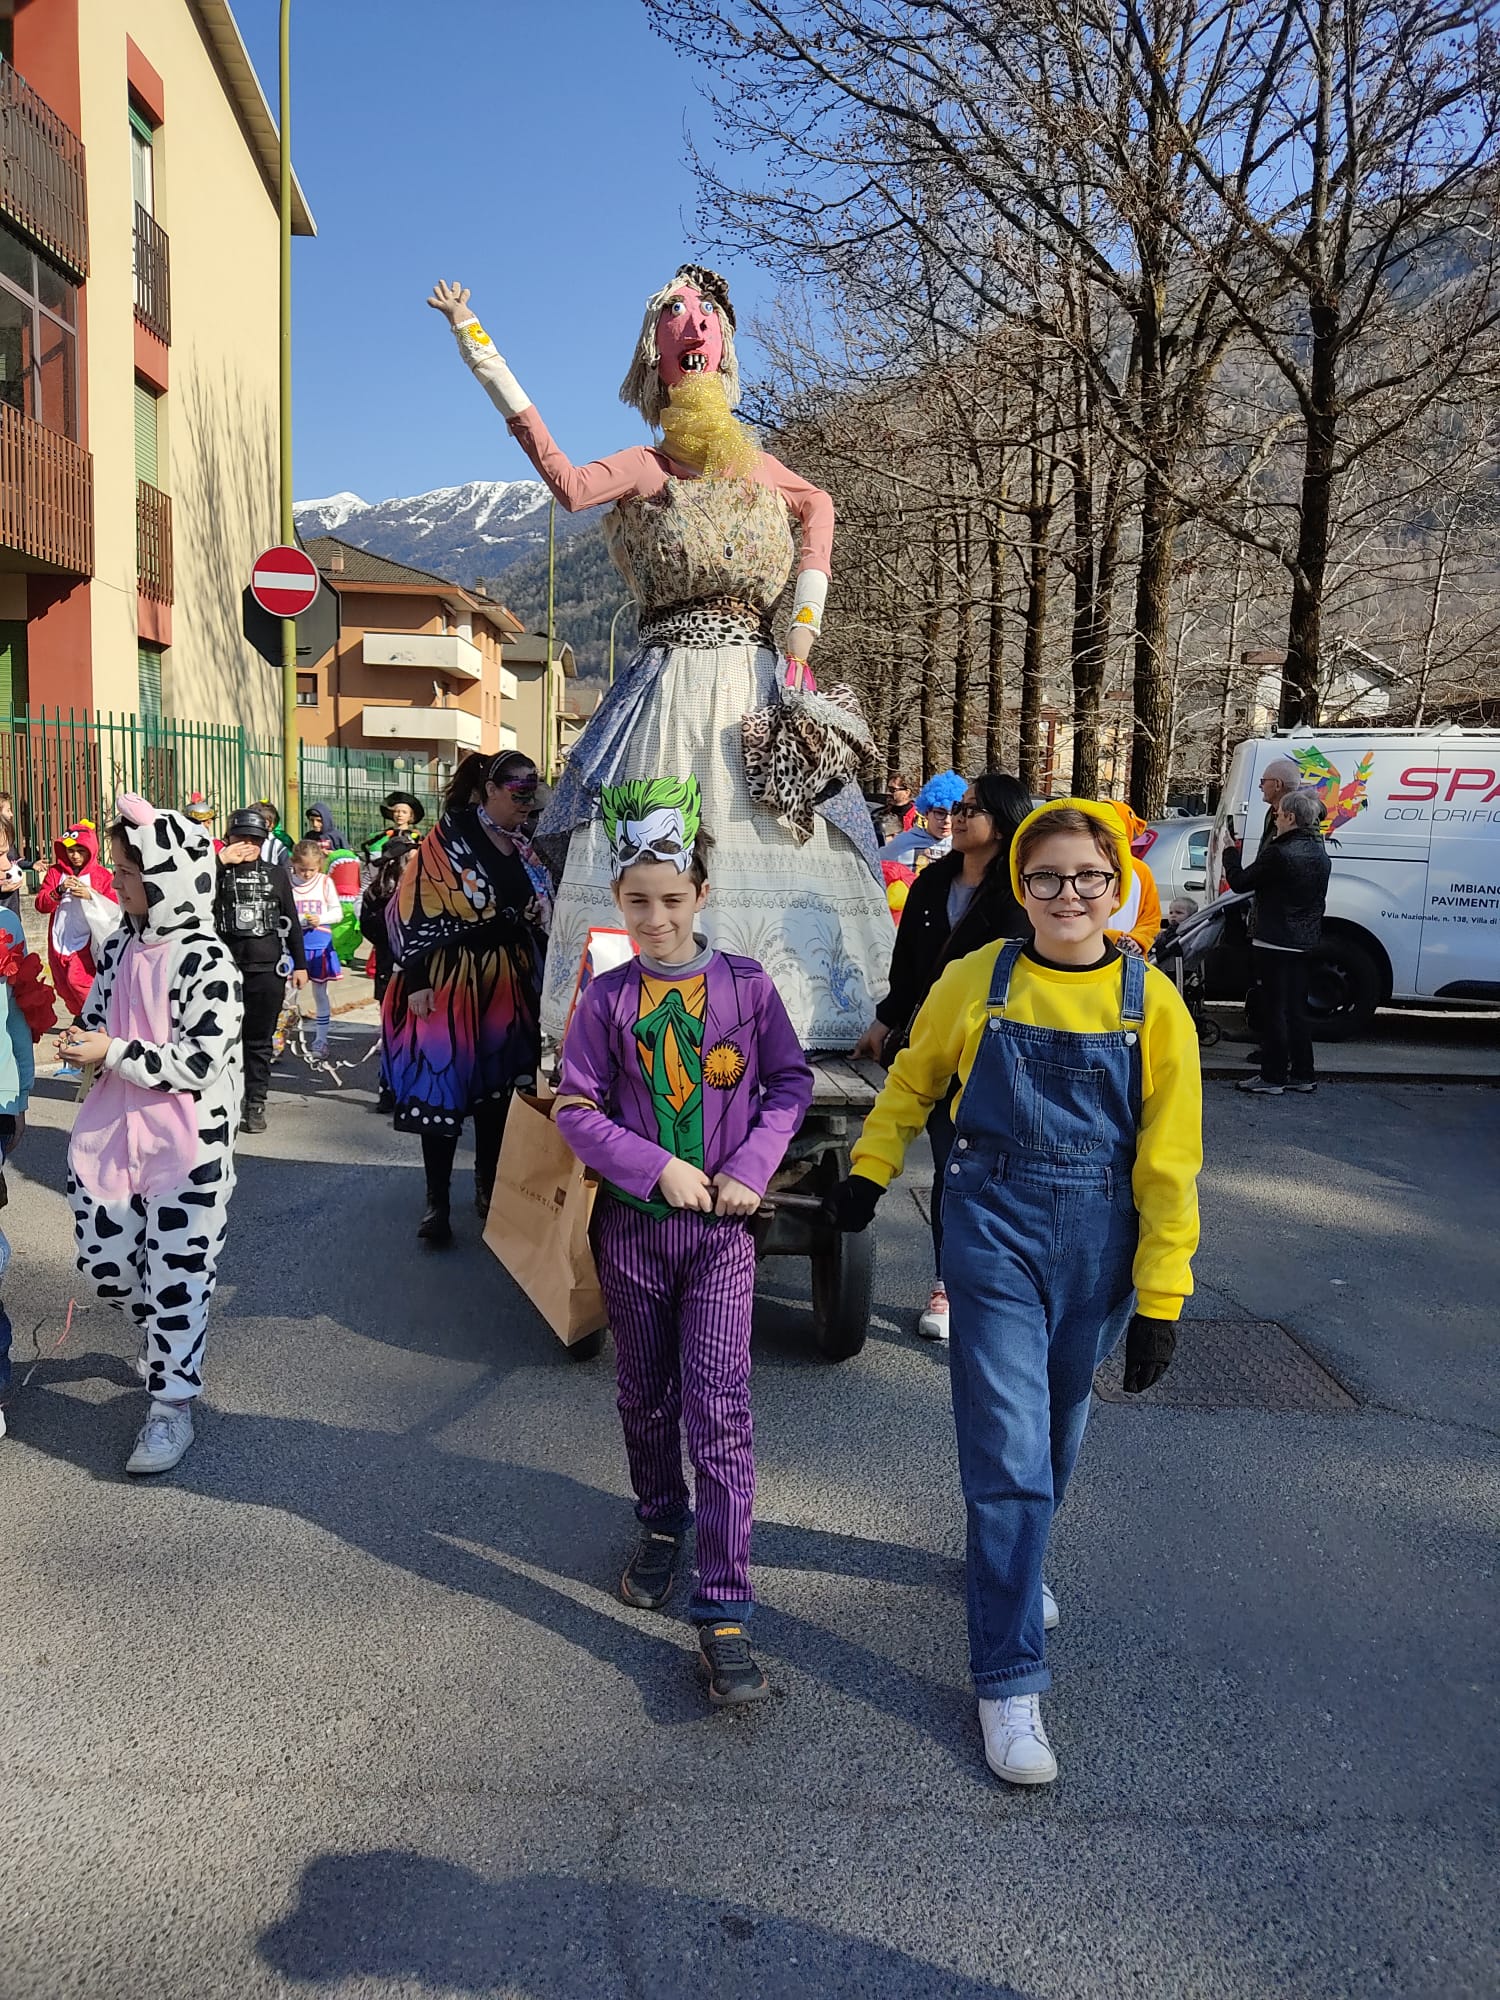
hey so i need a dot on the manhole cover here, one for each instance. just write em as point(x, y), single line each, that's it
point(1235, 1364)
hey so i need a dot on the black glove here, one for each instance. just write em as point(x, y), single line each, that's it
point(1149, 1345)
point(851, 1205)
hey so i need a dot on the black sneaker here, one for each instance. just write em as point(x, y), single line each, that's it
point(254, 1119)
point(385, 1103)
point(725, 1656)
point(652, 1570)
point(483, 1193)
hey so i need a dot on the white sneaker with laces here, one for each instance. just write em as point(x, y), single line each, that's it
point(164, 1438)
point(1051, 1616)
point(1015, 1743)
point(933, 1324)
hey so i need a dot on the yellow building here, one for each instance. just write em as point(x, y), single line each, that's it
point(139, 347)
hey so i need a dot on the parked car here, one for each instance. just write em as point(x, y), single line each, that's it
point(1176, 852)
point(1412, 818)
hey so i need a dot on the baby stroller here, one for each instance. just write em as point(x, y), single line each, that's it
point(1182, 952)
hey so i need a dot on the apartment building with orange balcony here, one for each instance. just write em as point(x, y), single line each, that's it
point(420, 669)
point(138, 358)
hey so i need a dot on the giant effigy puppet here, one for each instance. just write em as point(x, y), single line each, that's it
point(701, 528)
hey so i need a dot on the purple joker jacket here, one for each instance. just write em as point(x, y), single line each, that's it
point(756, 1087)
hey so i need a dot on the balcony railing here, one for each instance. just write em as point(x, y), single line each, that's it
point(153, 543)
point(41, 173)
point(153, 275)
point(46, 494)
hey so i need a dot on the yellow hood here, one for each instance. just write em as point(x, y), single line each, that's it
point(1107, 815)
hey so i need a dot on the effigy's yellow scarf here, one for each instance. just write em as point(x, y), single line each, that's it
point(700, 430)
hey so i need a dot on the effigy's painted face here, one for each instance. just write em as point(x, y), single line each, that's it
point(689, 337)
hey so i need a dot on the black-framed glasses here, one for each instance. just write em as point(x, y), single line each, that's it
point(1090, 883)
point(965, 809)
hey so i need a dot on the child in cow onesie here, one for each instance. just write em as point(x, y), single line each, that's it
point(152, 1155)
point(75, 879)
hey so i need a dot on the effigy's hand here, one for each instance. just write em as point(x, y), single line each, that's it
point(799, 641)
point(452, 301)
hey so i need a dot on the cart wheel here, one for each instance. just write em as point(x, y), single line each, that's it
point(843, 1287)
point(1209, 1033)
point(589, 1348)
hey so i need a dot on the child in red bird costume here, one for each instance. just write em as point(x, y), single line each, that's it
point(75, 879)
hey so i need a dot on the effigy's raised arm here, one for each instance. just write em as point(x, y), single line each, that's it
point(814, 511)
point(574, 486)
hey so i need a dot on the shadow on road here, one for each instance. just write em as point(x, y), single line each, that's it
point(395, 1915)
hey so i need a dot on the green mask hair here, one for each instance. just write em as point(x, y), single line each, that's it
point(634, 800)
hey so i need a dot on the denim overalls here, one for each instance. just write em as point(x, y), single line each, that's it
point(1040, 1230)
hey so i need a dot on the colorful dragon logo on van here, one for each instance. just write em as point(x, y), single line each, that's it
point(1341, 802)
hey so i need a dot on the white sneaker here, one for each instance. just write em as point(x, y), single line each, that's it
point(1051, 1616)
point(1015, 1743)
point(933, 1324)
point(164, 1438)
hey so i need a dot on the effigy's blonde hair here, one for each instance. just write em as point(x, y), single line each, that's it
point(642, 388)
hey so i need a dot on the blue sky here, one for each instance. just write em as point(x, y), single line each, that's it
point(534, 149)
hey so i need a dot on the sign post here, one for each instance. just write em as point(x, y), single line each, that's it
point(290, 740)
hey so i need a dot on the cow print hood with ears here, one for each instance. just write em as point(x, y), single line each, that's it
point(177, 865)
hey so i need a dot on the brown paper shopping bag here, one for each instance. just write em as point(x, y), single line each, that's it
point(539, 1221)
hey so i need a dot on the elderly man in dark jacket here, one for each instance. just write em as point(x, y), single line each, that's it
point(1290, 880)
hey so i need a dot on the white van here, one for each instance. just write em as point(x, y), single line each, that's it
point(1413, 820)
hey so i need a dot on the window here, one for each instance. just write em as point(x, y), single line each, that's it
point(307, 690)
point(38, 346)
point(1198, 849)
point(142, 162)
point(148, 682)
point(147, 435)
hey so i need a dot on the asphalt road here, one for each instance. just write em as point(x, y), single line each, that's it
point(345, 1707)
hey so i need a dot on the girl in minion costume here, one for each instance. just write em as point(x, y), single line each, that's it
point(1070, 1217)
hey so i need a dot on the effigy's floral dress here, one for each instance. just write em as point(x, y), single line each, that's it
point(706, 560)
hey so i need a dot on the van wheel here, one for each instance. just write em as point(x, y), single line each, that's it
point(1343, 990)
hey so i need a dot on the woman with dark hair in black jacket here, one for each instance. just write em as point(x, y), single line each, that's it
point(955, 906)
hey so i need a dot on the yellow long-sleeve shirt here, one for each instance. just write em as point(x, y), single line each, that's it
point(1169, 1141)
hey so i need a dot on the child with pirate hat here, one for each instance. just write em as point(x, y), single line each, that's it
point(682, 1085)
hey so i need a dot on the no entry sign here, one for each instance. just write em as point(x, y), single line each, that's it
point(284, 582)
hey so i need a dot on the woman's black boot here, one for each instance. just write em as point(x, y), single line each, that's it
point(435, 1226)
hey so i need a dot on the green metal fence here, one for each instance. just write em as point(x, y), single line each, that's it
point(60, 766)
point(351, 783)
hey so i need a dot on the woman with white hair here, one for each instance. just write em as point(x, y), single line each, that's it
point(701, 530)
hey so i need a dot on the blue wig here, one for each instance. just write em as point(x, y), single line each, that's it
point(944, 791)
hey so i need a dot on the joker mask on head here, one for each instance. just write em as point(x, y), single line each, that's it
point(652, 819)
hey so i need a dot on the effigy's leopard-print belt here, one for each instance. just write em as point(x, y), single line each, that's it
point(708, 621)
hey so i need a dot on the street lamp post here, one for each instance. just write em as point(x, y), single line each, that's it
point(626, 606)
point(290, 745)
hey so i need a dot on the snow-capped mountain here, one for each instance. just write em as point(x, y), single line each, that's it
point(462, 532)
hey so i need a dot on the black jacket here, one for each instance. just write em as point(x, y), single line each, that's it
point(256, 917)
point(924, 943)
point(1290, 880)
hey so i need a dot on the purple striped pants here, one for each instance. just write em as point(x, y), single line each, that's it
point(679, 1291)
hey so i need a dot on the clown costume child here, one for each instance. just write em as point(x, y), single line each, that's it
point(682, 1085)
point(151, 1161)
point(77, 893)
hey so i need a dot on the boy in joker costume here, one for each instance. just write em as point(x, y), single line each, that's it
point(701, 530)
point(682, 1085)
